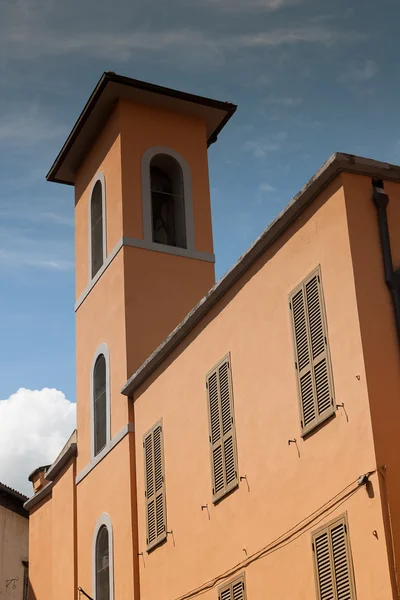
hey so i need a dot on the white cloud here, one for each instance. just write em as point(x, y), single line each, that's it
point(287, 101)
point(26, 126)
point(265, 188)
point(361, 71)
point(20, 249)
point(259, 148)
point(34, 426)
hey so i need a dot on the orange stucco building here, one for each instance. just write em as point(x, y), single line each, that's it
point(234, 440)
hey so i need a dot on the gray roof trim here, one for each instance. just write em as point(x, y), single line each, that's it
point(61, 462)
point(39, 496)
point(337, 163)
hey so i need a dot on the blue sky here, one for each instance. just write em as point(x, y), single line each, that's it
point(310, 78)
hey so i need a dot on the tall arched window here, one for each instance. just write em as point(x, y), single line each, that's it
point(100, 403)
point(97, 228)
point(102, 566)
point(167, 201)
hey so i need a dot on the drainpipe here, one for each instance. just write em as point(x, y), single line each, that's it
point(392, 278)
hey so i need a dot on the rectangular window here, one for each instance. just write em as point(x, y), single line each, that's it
point(156, 525)
point(25, 594)
point(235, 590)
point(312, 360)
point(222, 429)
point(332, 562)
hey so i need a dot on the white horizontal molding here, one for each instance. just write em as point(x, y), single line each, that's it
point(128, 428)
point(138, 243)
point(146, 245)
point(99, 273)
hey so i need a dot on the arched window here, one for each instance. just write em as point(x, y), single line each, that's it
point(100, 403)
point(102, 566)
point(167, 201)
point(97, 228)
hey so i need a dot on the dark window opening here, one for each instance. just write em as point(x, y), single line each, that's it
point(167, 201)
point(96, 216)
point(100, 404)
point(102, 565)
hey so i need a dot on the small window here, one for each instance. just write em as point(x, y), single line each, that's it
point(235, 590)
point(332, 562)
point(103, 565)
point(96, 226)
point(167, 201)
point(156, 518)
point(222, 429)
point(312, 358)
point(25, 594)
point(100, 403)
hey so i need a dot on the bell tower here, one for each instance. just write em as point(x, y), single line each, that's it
point(137, 157)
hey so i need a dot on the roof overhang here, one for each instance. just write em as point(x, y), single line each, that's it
point(336, 164)
point(112, 87)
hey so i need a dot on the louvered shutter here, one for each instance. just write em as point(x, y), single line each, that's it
point(234, 590)
point(154, 486)
point(312, 360)
point(222, 429)
point(334, 574)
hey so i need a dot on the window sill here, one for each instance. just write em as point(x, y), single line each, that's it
point(316, 426)
point(232, 487)
point(158, 542)
point(175, 250)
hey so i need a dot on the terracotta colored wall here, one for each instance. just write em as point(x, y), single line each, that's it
point(379, 339)
point(64, 583)
point(137, 301)
point(170, 286)
point(41, 550)
point(101, 319)
point(13, 550)
point(105, 156)
point(144, 127)
point(252, 322)
point(107, 489)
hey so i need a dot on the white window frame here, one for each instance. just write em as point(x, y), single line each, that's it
point(102, 349)
point(147, 157)
point(99, 177)
point(103, 520)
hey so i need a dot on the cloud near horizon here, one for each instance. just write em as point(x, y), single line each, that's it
point(34, 426)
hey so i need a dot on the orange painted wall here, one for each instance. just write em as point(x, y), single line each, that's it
point(107, 489)
point(138, 300)
point(252, 322)
point(101, 319)
point(63, 507)
point(41, 551)
point(144, 127)
point(379, 339)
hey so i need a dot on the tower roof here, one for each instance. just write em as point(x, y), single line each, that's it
point(98, 108)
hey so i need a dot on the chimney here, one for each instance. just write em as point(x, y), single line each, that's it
point(38, 479)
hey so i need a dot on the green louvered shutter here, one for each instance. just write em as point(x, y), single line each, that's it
point(154, 486)
point(333, 568)
point(312, 360)
point(235, 590)
point(222, 429)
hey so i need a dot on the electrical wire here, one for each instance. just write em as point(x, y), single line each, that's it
point(283, 540)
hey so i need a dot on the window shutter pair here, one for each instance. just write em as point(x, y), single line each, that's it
point(312, 360)
point(333, 569)
point(155, 486)
point(222, 429)
point(235, 590)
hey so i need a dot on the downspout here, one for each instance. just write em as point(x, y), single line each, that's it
point(392, 278)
